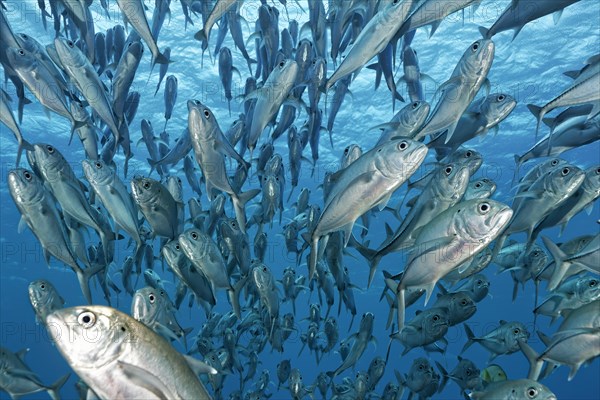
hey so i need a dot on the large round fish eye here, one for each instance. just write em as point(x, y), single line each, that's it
point(70, 43)
point(21, 52)
point(194, 235)
point(98, 165)
point(27, 175)
point(415, 105)
point(448, 170)
point(554, 162)
point(146, 185)
point(403, 145)
point(501, 97)
point(50, 149)
point(87, 319)
point(281, 64)
point(468, 154)
point(532, 392)
point(478, 185)
point(565, 171)
point(206, 114)
point(151, 298)
point(484, 208)
point(475, 46)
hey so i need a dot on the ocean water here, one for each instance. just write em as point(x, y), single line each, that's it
point(529, 68)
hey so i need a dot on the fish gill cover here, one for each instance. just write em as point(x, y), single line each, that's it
point(219, 222)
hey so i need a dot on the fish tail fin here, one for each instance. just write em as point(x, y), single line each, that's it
point(55, 387)
point(484, 32)
point(518, 163)
point(371, 255)
point(444, 374)
point(200, 35)
point(76, 125)
point(313, 257)
point(234, 296)
point(83, 276)
point(470, 338)
point(23, 144)
point(538, 113)
point(152, 164)
point(239, 204)
point(535, 364)
point(161, 59)
point(561, 267)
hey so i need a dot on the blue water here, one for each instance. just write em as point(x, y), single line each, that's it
point(528, 68)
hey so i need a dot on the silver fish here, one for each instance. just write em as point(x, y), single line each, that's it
point(133, 348)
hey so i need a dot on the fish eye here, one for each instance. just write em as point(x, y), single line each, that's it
point(403, 145)
point(532, 392)
point(536, 253)
point(421, 367)
point(597, 171)
point(21, 52)
point(281, 64)
point(27, 175)
point(396, 1)
point(194, 236)
point(151, 298)
point(479, 282)
point(468, 154)
point(478, 185)
point(554, 162)
point(436, 318)
point(50, 149)
point(484, 208)
point(468, 372)
point(98, 165)
point(146, 185)
point(448, 170)
point(70, 43)
point(501, 97)
point(42, 286)
point(346, 151)
point(415, 105)
point(475, 46)
point(565, 171)
point(177, 247)
point(463, 302)
point(264, 269)
point(86, 319)
point(516, 331)
point(593, 283)
point(206, 114)
point(162, 293)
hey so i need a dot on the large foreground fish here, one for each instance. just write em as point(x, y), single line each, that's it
point(127, 359)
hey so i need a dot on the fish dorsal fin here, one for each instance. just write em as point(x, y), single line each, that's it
point(503, 322)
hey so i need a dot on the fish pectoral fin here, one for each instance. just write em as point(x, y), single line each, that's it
point(22, 225)
point(199, 367)
point(165, 332)
point(140, 377)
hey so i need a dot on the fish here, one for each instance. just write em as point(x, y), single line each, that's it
point(425, 328)
point(482, 188)
point(465, 374)
point(87, 81)
point(517, 14)
point(134, 13)
point(42, 83)
point(481, 219)
point(403, 158)
point(157, 205)
point(59, 176)
point(524, 388)
point(459, 91)
point(8, 119)
point(504, 339)
point(210, 146)
point(226, 70)
point(204, 254)
point(361, 340)
point(373, 38)
point(44, 299)
point(38, 210)
point(115, 197)
point(170, 97)
point(18, 380)
point(134, 351)
point(124, 76)
point(220, 8)
point(269, 98)
point(587, 258)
